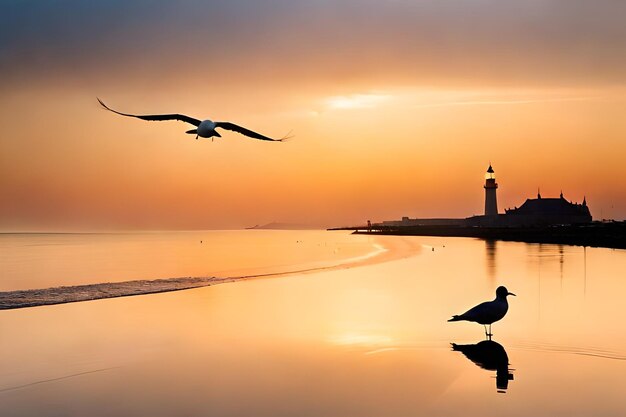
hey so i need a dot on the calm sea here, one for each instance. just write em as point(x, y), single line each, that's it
point(369, 340)
point(31, 260)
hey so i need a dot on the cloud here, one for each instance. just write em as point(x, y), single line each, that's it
point(357, 101)
point(303, 43)
point(505, 101)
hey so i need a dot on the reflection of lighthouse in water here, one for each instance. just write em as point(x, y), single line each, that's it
point(491, 249)
point(491, 201)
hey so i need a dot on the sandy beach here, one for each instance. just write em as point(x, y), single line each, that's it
point(370, 251)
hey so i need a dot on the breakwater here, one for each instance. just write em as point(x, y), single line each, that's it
point(596, 234)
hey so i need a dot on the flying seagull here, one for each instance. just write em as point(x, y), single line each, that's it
point(204, 128)
point(487, 312)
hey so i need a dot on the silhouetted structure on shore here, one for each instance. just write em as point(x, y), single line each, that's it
point(544, 210)
point(534, 212)
point(538, 220)
point(491, 200)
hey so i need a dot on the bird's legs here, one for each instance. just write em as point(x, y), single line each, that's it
point(487, 333)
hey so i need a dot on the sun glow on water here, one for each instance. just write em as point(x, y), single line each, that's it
point(361, 339)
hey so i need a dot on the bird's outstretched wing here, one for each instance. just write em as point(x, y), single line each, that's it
point(247, 132)
point(155, 117)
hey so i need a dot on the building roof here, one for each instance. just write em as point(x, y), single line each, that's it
point(550, 207)
point(490, 170)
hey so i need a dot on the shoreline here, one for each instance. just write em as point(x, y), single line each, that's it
point(384, 250)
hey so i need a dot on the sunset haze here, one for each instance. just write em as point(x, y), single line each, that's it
point(397, 110)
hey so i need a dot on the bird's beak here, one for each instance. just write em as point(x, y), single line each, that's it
point(511, 294)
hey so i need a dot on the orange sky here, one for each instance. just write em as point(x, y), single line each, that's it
point(396, 109)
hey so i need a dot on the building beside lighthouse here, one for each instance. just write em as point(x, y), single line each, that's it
point(546, 211)
point(533, 212)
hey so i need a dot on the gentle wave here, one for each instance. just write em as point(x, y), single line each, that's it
point(89, 292)
point(573, 350)
point(526, 346)
point(72, 294)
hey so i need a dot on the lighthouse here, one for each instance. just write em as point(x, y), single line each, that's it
point(491, 201)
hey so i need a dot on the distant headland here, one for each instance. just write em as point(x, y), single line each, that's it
point(283, 226)
point(538, 220)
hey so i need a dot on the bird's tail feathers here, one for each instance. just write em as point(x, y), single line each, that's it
point(456, 318)
point(192, 131)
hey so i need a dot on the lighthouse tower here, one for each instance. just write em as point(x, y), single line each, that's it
point(491, 201)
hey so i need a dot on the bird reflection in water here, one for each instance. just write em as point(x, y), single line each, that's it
point(491, 356)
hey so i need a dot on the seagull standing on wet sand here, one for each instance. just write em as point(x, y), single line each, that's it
point(488, 312)
point(204, 128)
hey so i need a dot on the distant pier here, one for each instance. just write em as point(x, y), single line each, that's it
point(596, 234)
